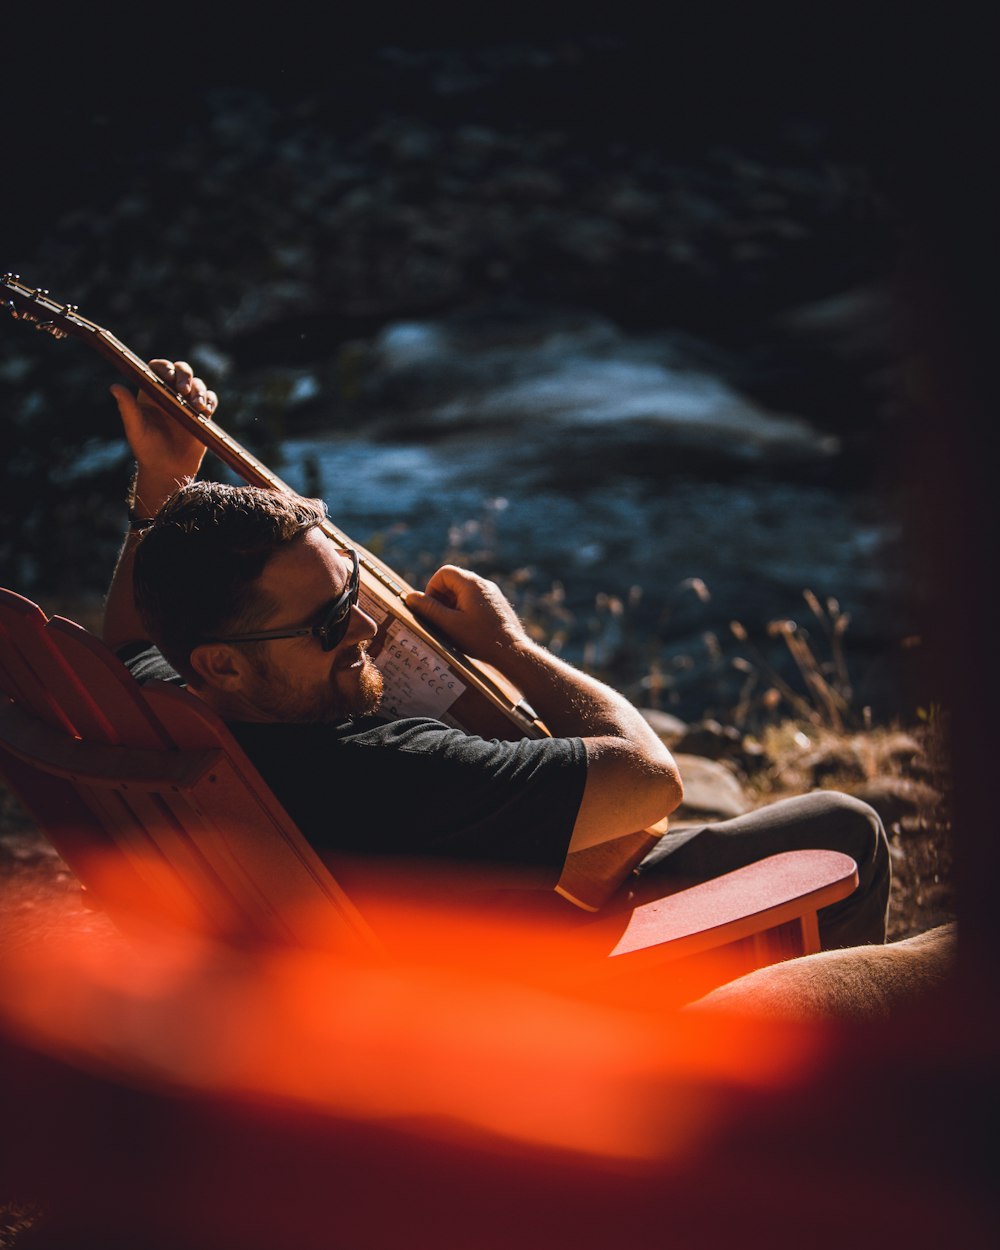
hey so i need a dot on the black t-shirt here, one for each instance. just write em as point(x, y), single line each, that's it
point(414, 787)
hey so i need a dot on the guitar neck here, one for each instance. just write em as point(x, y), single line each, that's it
point(488, 704)
point(61, 320)
point(223, 445)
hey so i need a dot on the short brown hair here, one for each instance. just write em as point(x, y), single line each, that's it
point(197, 566)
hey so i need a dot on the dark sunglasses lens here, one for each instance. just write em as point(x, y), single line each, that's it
point(333, 629)
point(335, 626)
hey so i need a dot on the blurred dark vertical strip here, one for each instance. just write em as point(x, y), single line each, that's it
point(940, 151)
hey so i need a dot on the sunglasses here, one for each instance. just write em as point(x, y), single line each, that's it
point(330, 630)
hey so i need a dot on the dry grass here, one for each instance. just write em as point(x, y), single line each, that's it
point(904, 775)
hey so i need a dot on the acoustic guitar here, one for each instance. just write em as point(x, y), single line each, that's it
point(424, 673)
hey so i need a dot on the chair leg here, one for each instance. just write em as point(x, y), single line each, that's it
point(786, 941)
point(810, 933)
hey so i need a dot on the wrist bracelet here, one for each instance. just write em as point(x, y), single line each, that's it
point(130, 490)
point(136, 523)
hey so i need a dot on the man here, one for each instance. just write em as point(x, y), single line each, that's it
point(254, 607)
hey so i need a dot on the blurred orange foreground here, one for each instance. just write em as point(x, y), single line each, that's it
point(478, 1083)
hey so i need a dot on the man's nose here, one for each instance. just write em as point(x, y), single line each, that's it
point(361, 627)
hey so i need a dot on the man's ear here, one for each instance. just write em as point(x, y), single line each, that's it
point(219, 666)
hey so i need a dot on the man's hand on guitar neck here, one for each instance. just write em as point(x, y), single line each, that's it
point(166, 455)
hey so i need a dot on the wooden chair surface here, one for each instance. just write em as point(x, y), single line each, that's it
point(152, 776)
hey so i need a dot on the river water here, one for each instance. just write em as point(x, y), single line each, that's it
point(633, 505)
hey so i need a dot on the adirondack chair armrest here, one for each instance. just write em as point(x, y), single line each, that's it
point(775, 891)
point(55, 752)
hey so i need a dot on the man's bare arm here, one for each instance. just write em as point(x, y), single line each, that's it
point(166, 456)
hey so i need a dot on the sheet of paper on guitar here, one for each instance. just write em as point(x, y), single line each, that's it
point(417, 682)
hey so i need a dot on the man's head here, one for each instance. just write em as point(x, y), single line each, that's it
point(224, 561)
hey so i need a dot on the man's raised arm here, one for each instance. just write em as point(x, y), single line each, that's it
point(166, 456)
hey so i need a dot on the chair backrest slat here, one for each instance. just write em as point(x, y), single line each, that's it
point(280, 863)
point(106, 693)
point(167, 850)
point(26, 659)
point(201, 839)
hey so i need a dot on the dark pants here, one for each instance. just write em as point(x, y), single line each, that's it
point(825, 820)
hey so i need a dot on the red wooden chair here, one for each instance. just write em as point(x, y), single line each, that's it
point(150, 781)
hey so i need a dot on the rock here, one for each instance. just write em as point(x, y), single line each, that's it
point(666, 726)
point(211, 362)
point(902, 750)
point(710, 790)
point(584, 374)
point(593, 240)
point(710, 740)
point(525, 182)
point(713, 741)
point(840, 760)
point(853, 323)
point(631, 204)
point(896, 798)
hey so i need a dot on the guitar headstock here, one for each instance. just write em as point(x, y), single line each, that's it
point(35, 306)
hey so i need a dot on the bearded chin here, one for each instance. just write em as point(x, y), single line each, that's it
point(363, 700)
point(370, 684)
point(326, 704)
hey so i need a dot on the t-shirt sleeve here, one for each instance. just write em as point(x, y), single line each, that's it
point(412, 787)
point(419, 788)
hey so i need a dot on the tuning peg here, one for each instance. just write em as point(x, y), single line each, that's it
point(12, 277)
